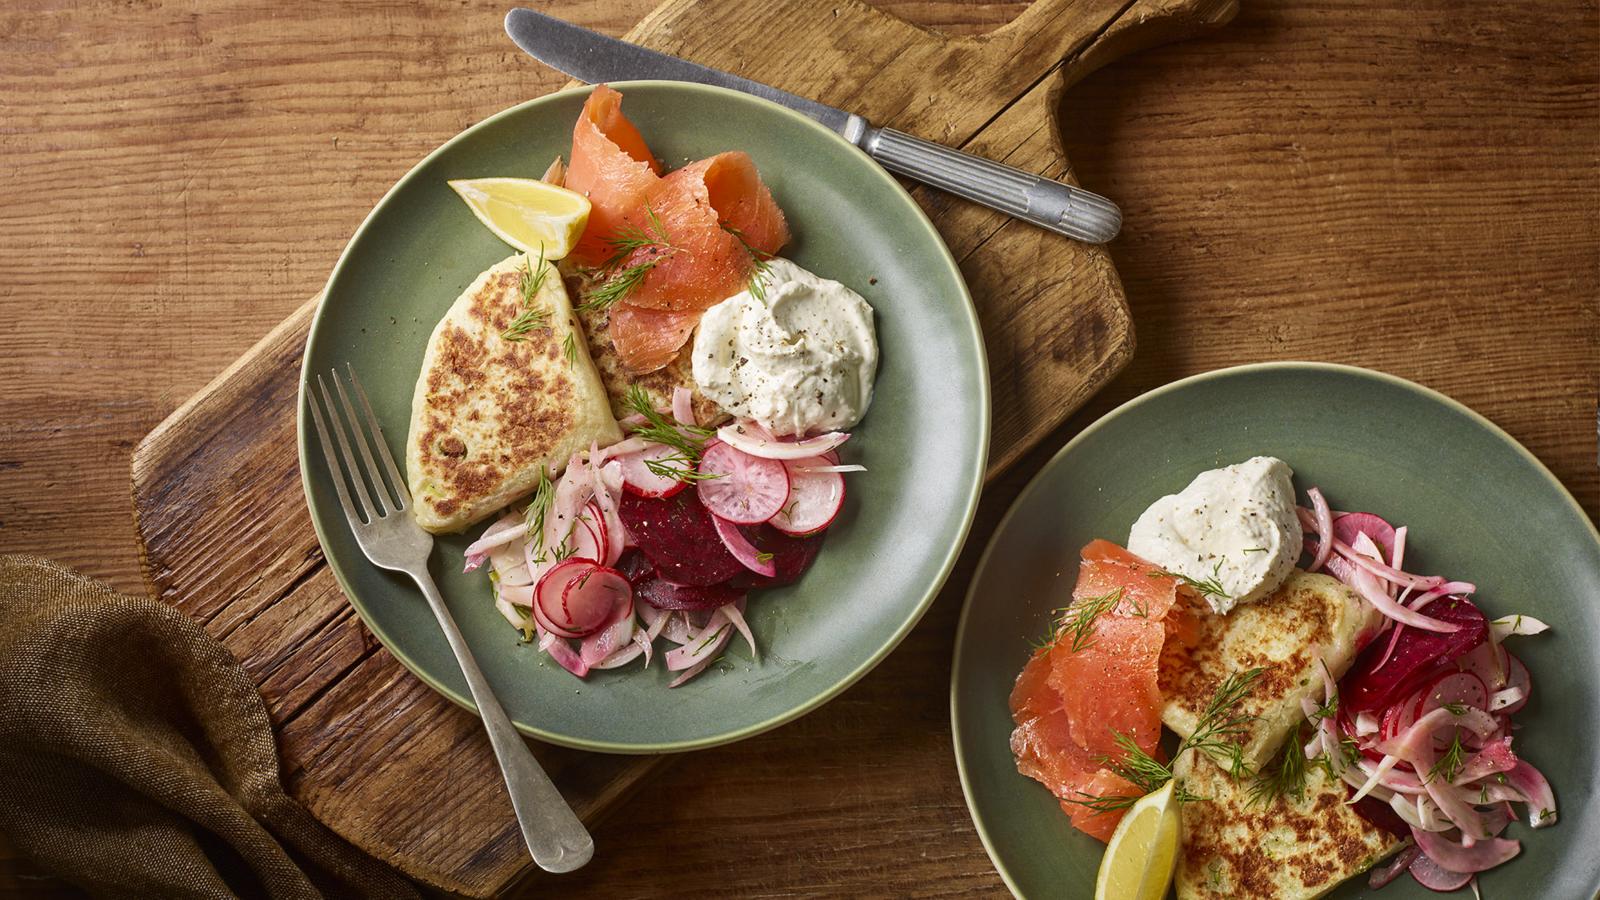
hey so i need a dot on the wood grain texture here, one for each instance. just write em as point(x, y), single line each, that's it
point(1392, 183)
point(353, 725)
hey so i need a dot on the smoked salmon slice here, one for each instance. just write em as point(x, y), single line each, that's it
point(673, 245)
point(712, 217)
point(648, 339)
point(612, 166)
point(1097, 680)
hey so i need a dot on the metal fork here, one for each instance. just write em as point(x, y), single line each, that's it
point(392, 539)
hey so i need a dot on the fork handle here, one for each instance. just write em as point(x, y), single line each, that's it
point(554, 834)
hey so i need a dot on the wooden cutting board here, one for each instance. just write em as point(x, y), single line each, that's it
point(226, 535)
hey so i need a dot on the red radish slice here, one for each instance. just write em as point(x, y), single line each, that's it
point(616, 635)
point(742, 550)
point(739, 487)
point(588, 539)
point(547, 599)
point(639, 480)
point(815, 498)
point(1458, 687)
point(755, 440)
point(594, 599)
point(1348, 525)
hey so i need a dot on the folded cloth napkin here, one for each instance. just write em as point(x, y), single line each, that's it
point(137, 760)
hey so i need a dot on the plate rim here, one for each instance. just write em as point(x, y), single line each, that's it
point(952, 554)
point(1033, 485)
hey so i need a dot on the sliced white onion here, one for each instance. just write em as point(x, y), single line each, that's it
point(1322, 521)
point(683, 406)
point(853, 467)
point(735, 614)
point(1506, 626)
point(741, 436)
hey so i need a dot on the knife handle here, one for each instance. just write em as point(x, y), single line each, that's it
point(1062, 208)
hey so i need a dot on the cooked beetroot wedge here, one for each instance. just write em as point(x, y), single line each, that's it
point(678, 537)
point(791, 556)
point(663, 594)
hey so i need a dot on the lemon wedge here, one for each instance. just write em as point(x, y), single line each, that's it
point(527, 213)
point(1143, 850)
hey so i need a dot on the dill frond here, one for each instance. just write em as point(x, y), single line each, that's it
point(1284, 776)
point(1209, 587)
point(1080, 617)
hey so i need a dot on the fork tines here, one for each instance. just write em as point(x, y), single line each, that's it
point(390, 497)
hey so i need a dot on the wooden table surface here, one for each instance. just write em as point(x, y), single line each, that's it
point(1411, 186)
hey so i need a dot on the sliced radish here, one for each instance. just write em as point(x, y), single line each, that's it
point(587, 537)
point(548, 608)
point(638, 479)
point(756, 441)
point(815, 498)
point(739, 487)
point(742, 550)
point(1462, 688)
point(594, 599)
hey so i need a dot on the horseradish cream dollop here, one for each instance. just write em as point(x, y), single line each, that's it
point(798, 355)
point(1232, 532)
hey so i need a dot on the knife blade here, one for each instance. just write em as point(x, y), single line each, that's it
point(594, 58)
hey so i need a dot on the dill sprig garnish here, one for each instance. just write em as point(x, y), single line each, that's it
point(1285, 776)
point(1079, 619)
point(531, 317)
point(1106, 804)
point(1213, 730)
point(679, 467)
point(1326, 710)
point(1219, 724)
point(617, 286)
point(1137, 766)
point(533, 517)
point(1209, 587)
point(569, 348)
point(760, 263)
point(1450, 764)
point(617, 282)
point(689, 440)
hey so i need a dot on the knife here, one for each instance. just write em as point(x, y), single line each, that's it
point(594, 58)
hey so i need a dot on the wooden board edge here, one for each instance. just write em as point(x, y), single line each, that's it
point(157, 443)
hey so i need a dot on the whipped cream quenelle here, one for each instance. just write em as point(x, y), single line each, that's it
point(1234, 529)
point(799, 356)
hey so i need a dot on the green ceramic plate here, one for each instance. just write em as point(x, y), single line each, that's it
point(924, 441)
point(1480, 507)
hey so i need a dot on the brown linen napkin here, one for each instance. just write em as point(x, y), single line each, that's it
point(137, 760)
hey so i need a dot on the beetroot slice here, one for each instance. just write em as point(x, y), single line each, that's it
point(678, 537)
point(1418, 656)
point(791, 556)
point(663, 594)
point(636, 568)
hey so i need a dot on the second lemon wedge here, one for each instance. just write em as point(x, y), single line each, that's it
point(1139, 860)
point(527, 213)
